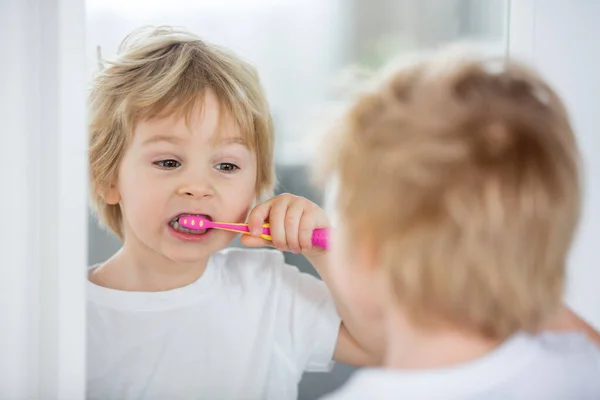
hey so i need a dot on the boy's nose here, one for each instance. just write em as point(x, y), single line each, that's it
point(196, 189)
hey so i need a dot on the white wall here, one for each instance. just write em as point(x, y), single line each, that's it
point(561, 38)
point(43, 178)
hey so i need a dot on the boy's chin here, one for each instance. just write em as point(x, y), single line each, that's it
point(190, 253)
point(188, 257)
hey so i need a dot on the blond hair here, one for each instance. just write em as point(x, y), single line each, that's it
point(464, 174)
point(161, 71)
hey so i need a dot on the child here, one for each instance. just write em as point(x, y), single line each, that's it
point(180, 127)
point(458, 198)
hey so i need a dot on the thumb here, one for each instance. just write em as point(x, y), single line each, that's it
point(253, 241)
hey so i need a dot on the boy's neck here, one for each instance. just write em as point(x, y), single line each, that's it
point(414, 349)
point(129, 271)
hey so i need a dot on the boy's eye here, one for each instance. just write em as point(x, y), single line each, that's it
point(168, 164)
point(227, 167)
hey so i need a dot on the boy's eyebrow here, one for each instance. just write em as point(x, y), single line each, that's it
point(162, 138)
point(177, 140)
point(233, 140)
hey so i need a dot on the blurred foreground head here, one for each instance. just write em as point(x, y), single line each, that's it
point(459, 184)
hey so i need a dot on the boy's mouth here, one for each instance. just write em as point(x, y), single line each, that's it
point(175, 224)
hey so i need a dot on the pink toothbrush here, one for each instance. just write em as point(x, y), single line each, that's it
point(319, 236)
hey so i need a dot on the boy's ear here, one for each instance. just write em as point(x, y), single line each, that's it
point(112, 195)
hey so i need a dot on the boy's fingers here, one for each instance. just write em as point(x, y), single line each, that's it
point(277, 225)
point(305, 231)
point(257, 218)
point(251, 241)
point(292, 222)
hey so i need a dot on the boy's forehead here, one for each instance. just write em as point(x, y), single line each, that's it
point(203, 116)
point(218, 137)
point(220, 129)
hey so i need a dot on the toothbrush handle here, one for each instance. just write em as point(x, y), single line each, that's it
point(319, 236)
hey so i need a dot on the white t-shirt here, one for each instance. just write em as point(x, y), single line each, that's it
point(247, 329)
point(551, 366)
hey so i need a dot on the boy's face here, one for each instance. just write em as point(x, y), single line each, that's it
point(172, 168)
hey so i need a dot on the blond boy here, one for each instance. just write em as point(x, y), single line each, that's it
point(178, 127)
point(458, 198)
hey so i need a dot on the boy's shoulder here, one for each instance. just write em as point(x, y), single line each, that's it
point(265, 268)
point(570, 350)
point(549, 365)
point(253, 264)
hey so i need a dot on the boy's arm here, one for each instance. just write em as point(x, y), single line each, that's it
point(359, 343)
point(292, 220)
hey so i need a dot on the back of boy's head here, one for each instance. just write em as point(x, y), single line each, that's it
point(160, 72)
point(464, 175)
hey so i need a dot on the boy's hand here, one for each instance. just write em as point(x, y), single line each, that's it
point(292, 220)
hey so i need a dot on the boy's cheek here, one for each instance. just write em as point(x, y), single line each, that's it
point(354, 282)
point(237, 204)
point(342, 275)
